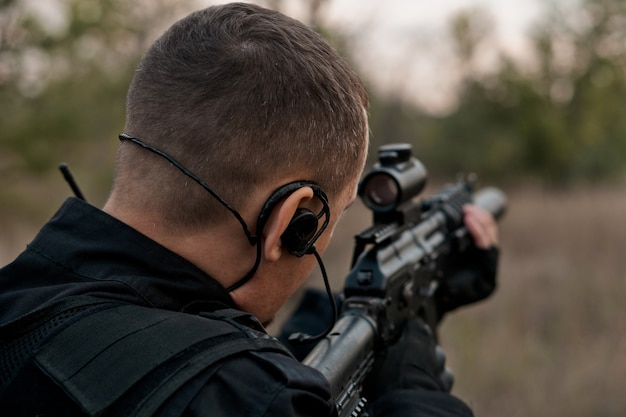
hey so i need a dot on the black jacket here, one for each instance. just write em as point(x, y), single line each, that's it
point(83, 251)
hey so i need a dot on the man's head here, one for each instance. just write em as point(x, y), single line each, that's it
point(242, 96)
point(248, 100)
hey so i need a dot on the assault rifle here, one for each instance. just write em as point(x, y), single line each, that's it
point(397, 268)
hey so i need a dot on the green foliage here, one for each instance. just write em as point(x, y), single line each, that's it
point(62, 91)
point(63, 81)
point(561, 121)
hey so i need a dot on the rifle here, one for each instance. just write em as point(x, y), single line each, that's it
point(397, 268)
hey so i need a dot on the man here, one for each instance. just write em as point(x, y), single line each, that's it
point(244, 141)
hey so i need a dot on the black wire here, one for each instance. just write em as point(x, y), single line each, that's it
point(252, 238)
point(298, 338)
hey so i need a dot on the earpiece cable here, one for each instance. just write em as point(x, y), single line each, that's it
point(252, 238)
point(300, 338)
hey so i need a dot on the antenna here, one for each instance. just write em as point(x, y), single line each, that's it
point(65, 170)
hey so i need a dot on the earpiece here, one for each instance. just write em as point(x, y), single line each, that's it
point(300, 232)
point(303, 229)
point(298, 238)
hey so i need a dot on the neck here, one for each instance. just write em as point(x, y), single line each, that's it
point(221, 251)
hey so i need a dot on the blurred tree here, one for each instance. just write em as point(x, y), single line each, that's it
point(571, 124)
point(65, 66)
point(559, 120)
point(64, 69)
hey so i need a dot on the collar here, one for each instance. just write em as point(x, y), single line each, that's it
point(97, 248)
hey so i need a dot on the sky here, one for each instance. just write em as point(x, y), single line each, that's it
point(512, 16)
point(402, 46)
point(406, 50)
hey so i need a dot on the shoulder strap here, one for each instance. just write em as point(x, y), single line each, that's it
point(23, 336)
point(84, 357)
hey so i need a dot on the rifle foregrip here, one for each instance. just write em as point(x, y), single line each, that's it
point(493, 200)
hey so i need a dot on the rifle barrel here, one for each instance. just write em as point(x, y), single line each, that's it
point(345, 356)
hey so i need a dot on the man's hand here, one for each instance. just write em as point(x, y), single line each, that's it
point(473, 276)
point(412, 380)
point(481, 225)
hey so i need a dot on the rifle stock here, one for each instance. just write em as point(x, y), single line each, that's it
point(397, 268)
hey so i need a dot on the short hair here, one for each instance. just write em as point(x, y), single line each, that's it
point(240, 95)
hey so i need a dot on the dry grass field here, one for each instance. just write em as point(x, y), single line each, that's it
point(552, 341)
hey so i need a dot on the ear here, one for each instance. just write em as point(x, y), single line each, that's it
point(279, 219)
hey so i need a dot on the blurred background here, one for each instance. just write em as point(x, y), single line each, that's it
point(530, 96)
